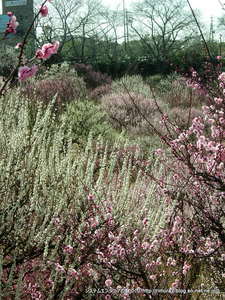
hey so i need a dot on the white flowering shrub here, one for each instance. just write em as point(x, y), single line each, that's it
point(64, 212)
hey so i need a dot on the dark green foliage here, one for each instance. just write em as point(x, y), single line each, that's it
point(8, 60)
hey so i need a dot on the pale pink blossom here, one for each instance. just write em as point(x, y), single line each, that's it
point(90, 197)
point(26, 72)
point(68, 249)
point(110, 222)
point(194, 73)
point(176, 225)
point(152, 277)
point(56, 221)
point(171, 262)
point(159, 261)
point(145, 221)
point(108, 216)
point(111, 235)
point(222, 77)
point(47, 50)
point(59, 268)
point(175, 284)
point(108, 282)
point(218, 100)
point(159, 151)
point(186, 268)
point(18, 45)
point(145, 245)
point(223, 256)
point(93, 222)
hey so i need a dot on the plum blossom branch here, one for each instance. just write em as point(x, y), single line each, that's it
point(44, 53)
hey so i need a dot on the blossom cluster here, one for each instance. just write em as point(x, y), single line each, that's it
point(197, 183)
point(44, 53)
point(103, 253)
point(47, 50)
point(12, 24)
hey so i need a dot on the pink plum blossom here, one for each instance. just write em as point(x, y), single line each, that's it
point(49, 283)
point(44, 11)
point(56, 221)
point(111, 235)
point(145, 245)
point(47, 50)
point(12, 25)
point(186, 268)
point(218, 100)
point(158, 151)
point(171, 262)
point(72, 273)
point(26, 72)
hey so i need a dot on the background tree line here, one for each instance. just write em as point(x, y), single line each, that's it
point(151, 37)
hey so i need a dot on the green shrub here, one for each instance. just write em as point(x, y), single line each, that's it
point(165, 83)
point(8, 60)
point(154, 80)
point(82, 118)
point(133, 84)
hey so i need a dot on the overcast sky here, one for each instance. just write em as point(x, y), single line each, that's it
point(208, 8)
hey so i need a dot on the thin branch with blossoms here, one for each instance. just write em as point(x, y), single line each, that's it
point(44, 53)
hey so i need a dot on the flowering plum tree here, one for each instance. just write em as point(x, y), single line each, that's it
point(195, 163)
